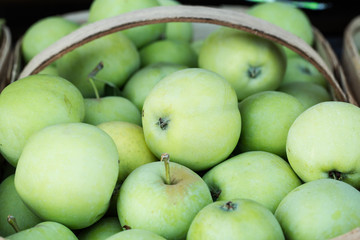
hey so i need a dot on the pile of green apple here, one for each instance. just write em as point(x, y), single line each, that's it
point(148, 133)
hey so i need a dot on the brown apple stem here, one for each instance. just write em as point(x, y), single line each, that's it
point(166, 159)
point(91, 78)
point(12, 221)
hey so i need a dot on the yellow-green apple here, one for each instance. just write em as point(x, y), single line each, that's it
point(43, 33)
point(11, 204)
point(44, 230)
point(180, 31)
point(323, 142)
point(168, 50)
point(142, 81)
point(308, 93)
point(257, 175)
point(240, 219)
point(266, 118)
point(136, 234)
point(320, 209)
point(31, 103)
point(67, 173)
point(140, 35)
point(286, 16)
point(131, 146)
point(248, 62)
point(193, 115)
point(111, 108)
point(299, 69)
point(119, 56)
point(104, 228)
point(161, 199)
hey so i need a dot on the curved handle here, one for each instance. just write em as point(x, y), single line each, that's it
point(182, 13)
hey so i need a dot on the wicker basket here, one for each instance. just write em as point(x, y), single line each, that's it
point(5, 55)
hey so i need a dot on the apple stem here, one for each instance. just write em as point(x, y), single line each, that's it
point(12, 221)
point(335, 175)
point(92, 75)
point(166, 159)
point(229, 206)
point(126, 227)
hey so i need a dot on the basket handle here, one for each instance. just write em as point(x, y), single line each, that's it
point(182, 13)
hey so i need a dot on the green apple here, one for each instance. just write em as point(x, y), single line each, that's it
point(104, 228)
point(50, 69)
point(286, 16)
point(257, 175)
point(266, 119)
point(117, 54)
point(193, 115)
point(43, 231)
point(140, 35)
point(43, 33)
point(167, 50)
point(136, 234)
point(323, 142)
point(180, 31)
point(250, 63)
point(131, 146)
point(240, 219)
point(320, 209)
point(161, 201)
point(67, 173)
point(196, 45)
point(307, 93)
point(11, 204)
point(299, 69)
point(141, 82)
point(31, 103)
point(111, 108)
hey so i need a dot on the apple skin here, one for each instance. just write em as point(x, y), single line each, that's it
point(192, 114)
point(44, 230)
point(323, 142)
point(104, 228)
point(257, 175)
point(112, 50)
point(43, 33)
point(11, 204)
point(286, 16)
point(142, 81)
point(130, 142)
point(111, 108)
point(320, 209)
point(235, 219)
point(250, 63)
point(67, 173)
point(141, 35)
point(147, 202)
point(136, 234)
point(167, 50)
point(266, 119)
point(29, 104)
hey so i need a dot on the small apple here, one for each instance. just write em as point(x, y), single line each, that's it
point(257, 175)
point(320, 209)
point(136, 234)
point(168, 50)
point(11, 204)
point(266, 118)
point(193, 115)
point(307, 93)
point(161, 199)
point(43, 33)
point(140, 35)
point(104, 228)
point(142, 81)
point(248, 62)
point(67, 173)
point(44, 230)
point(240, 219)
point(323, 142)
point(131, 146)
point(31, 103)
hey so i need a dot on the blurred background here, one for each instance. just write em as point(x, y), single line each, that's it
point(331, 20)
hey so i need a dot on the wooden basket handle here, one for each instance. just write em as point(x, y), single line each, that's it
point(182, 13)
